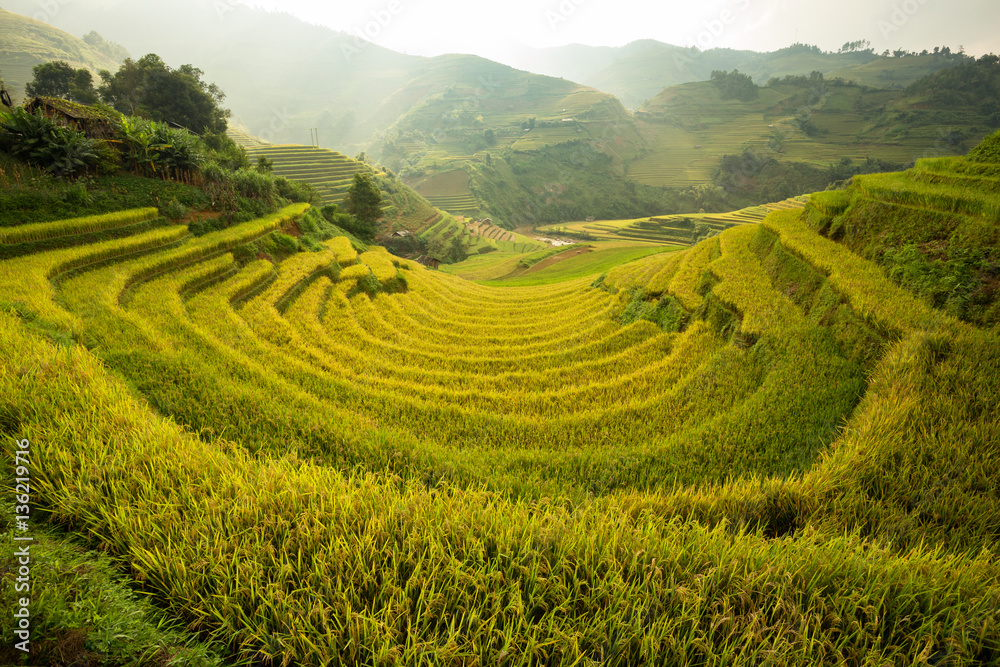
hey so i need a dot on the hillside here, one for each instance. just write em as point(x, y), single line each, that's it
point(329, 172)
point(481, 139)
point(348, 88)
point(796, 134)
point(760, 448)
point(404, 210)
point(637, 72)
point(26, 42)
point(812, 122)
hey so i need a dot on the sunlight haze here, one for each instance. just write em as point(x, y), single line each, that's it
point(434, 27)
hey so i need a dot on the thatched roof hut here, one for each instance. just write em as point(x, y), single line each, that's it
point(430, 262)
point(95, 122)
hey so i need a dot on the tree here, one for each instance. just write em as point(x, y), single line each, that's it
point(149, 88)
point(455, 251)
point(734, 85)
point(364, 202)
point(112, 50)
point(264, 165)
point(858, 45)
point(58, 79)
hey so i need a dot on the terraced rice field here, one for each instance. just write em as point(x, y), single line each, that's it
point(540, 137)
point(457, 204)
point(490, 231)
point(682, 158)
point(347, 458)
point(246, 140)
point(672, 229)
point(489, 266)
point(502, 239)
point(329, 172)
point(687, 142)
point(448, 191)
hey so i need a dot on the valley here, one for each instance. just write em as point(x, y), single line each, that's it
point(652, 356)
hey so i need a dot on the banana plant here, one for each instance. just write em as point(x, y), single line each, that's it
point(140, 155)
point(39, 140)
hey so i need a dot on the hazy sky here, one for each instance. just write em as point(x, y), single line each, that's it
point(432, 27)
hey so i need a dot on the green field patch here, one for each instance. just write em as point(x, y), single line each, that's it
point(581, 266)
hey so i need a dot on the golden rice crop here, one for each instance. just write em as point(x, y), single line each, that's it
point(92, 223)
point(489, 475)
point(380, 263)
point(684, 284)
point(341, 246)
point(268, 554)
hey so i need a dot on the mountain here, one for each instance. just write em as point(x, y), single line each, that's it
point(26, 42)
point(639, 70)
point(283, 77)
point(801, 133)
point(486, 138)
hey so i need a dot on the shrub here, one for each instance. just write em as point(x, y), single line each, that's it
point(173, 210)
point(221, 149)
point(219, 186)
point(252, 184)
point(295, 191)
point(988, 149)
point(285, 243)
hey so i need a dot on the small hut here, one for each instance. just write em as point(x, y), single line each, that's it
point(430, 262)
point(96, 123)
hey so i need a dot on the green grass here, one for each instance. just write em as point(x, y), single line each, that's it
point(29, 195)
point(485, 267)
point(581, 266)
point(81, 609)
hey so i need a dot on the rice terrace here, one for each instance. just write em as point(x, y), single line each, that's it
point(530, 380)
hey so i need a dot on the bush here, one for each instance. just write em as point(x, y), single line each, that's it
point(364, 231)
point(202, 227)
point(77, 195)
point(295, 191)
point(221, 149)
point(173, 210)
point(988, 149)
point(252, 184)
point(177, 149)
point(285, 243)
point(219, 186)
